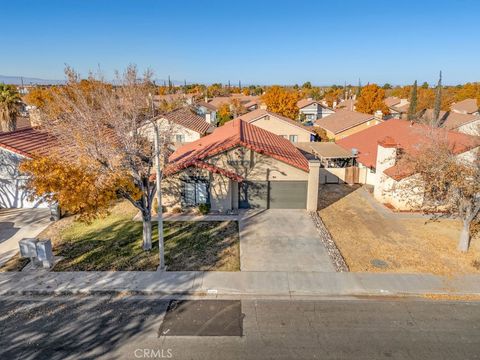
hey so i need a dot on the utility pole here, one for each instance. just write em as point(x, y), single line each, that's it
point(161, 248)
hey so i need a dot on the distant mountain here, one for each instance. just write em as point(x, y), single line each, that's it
point(17, 80)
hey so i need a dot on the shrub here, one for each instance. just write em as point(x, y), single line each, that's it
point(204, 209)
point(176, 210)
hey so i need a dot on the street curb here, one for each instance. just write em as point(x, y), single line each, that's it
point(239, 284)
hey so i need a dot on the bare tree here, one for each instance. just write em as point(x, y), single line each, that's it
point(447, 182)
point(107, 127)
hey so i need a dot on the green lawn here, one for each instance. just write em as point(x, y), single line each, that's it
point(115, 243)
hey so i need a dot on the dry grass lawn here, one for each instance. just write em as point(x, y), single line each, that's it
point(404, 242)
point(114, 243)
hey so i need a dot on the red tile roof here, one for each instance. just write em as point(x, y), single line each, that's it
point(259, 113)
point(405, 135)
point(236, 133)
point(28, 142)
point(187, 118)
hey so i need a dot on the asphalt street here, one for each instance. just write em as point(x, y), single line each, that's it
point(139, 327)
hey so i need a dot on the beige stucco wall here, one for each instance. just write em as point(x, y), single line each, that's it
point(407, 193)
point(223, 191)
point(331, 175)
point(171, 129)
point(472, 128)
point(279, 127)
point(352, 130)
point(403, 195)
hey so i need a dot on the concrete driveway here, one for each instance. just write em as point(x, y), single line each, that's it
point(16, 224)
point(281, 240)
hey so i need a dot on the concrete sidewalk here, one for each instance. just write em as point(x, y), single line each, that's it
point(16, 224)
point(216, 284)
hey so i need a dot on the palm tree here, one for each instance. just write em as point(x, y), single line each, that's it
point(9, 100)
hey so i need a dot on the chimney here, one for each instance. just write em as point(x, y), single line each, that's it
point(378, 115)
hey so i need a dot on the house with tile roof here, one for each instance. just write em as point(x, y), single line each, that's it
point(467, 106)
point(184, 124)
point(240, 165)
point(16, 146)
point(344, 123)
point(293, 130)
point(398, 107)
point(207, 111)
point(378, 148)
point(312, 109)
point(451, 120)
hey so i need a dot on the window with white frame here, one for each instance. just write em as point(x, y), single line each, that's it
point(293, 138)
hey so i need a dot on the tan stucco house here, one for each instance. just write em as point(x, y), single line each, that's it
point(240, 165)
point(183, 124)
point(345, 123)
point(291, 130)
point(312, 109)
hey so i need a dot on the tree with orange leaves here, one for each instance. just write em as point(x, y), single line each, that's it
point(108, 149)
point(282, 101)
point(371, 100)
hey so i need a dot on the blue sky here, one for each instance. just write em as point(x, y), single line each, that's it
point(266, 42)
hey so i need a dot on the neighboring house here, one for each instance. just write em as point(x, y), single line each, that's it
point(467, 106)
point(313, 109)
point(184, 124)
point(398, 107)
point(208, 111)
point(16, 146)
point(345, 122)
point(280, 125)
point(241, 165)
point(348, 104)
point(187, 99)
point(249, 102)
point(464, 123)
point(379, 147)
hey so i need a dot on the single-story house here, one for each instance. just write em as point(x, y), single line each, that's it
point(398, 107)
point(249, 102)
point(467, 106)
point(208, 111)
point(313, 109)
point(345, 122)
point(240, 165)
point(378, 148)
point(464, 123)
point(348, 104)
point(16, 146)
point(280, 125)
point(184, 123)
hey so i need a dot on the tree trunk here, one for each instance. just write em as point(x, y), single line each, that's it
point(8, 120)
point(147, 230)
point(464, 237)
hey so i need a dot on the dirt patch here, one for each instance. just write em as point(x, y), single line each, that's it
point(15, 263)
point(367, 237)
